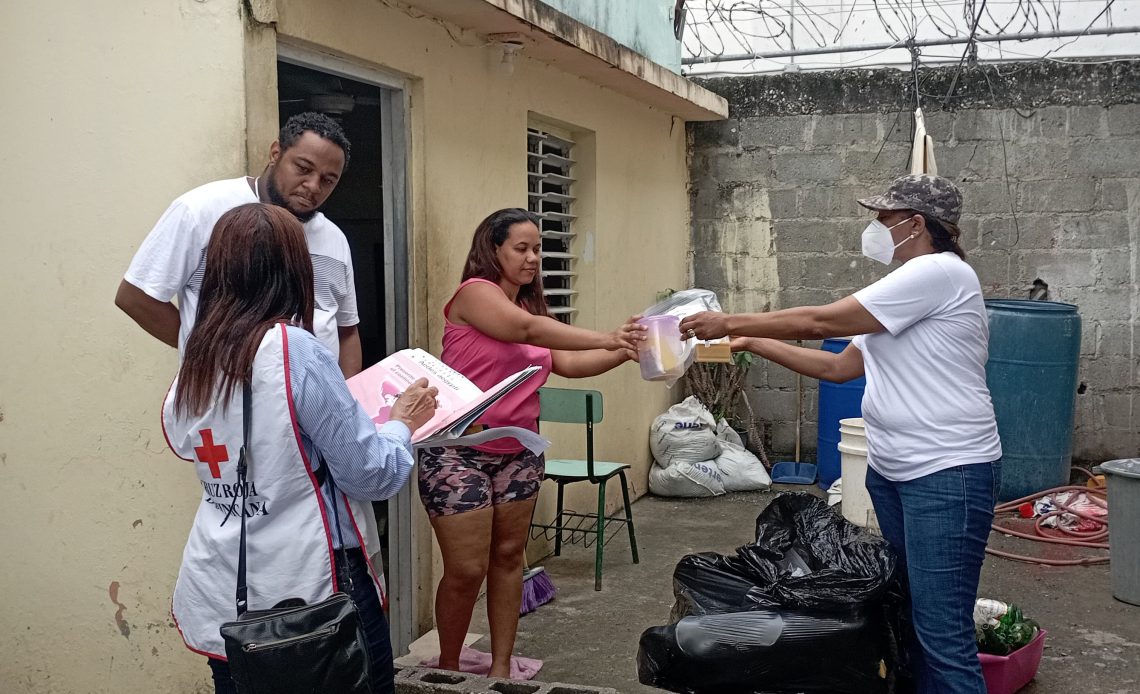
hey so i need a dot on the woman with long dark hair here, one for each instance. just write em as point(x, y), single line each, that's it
point(480, 499)
point(933, 453)
point(253, 329)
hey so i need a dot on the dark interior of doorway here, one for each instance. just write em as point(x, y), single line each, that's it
point(357, 204)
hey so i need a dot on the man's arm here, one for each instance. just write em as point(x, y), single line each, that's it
point(160, 269)
point(159, 318)
point(351, 360)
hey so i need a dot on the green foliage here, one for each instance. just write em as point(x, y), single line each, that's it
point(743, 360)
point(1012, 632)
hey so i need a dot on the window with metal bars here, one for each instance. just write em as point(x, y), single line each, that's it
point(550, 179)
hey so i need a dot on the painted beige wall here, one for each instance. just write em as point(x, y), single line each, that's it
point(111, 110)
point(468, 159)
point(117, 109)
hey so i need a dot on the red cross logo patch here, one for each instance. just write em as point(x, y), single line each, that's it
point(211, 454)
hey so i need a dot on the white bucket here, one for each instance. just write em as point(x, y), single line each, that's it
point(856, 503)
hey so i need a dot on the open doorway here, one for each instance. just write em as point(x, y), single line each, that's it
point(369, 205)
point(357, 204)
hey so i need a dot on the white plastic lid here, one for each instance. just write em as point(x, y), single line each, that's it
point(1125, 467)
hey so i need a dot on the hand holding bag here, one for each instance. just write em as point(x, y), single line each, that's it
point(294, 648)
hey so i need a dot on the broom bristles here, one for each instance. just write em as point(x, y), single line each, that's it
point(538, 590)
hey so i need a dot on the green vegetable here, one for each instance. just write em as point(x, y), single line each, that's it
point(1011, 632)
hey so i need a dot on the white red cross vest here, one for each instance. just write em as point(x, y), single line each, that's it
point(288, 529)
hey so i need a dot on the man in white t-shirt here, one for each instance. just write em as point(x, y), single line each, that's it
point(305, 165)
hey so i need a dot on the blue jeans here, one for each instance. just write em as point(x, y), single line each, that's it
point(372, 621)
point(938, 524)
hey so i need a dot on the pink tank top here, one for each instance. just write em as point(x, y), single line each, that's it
point(487, 361)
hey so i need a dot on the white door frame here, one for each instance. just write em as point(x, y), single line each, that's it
point(394, 177)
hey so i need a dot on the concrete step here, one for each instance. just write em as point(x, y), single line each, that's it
point(417, 680)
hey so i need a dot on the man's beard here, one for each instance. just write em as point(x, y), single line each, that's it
point(278, 199)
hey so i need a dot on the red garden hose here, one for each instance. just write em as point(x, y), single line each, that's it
point(1094, 538)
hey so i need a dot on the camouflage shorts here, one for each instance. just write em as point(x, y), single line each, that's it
point(456, 480)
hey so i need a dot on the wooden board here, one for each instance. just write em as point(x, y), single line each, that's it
point(716, 353)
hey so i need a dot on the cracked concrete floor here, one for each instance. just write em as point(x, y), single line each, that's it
point(591, 638)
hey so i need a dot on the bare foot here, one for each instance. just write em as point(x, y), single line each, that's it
point(501, 671)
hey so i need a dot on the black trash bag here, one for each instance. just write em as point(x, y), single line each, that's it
point(806, 556)
point(812, 606)
point(846, 565)
point(709, 583)
point(764, 651)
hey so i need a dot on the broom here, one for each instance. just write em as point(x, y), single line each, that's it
point(537, 589)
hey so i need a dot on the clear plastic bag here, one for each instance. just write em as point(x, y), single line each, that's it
point(684, 303)
point(681, 305)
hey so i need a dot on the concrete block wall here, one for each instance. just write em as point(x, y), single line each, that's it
point(1048, 159)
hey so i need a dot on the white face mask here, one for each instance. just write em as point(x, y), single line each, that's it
point(878, 244)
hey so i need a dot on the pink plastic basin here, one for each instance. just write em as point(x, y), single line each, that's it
point(1005, 674)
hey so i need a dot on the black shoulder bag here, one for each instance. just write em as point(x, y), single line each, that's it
point(294, 647)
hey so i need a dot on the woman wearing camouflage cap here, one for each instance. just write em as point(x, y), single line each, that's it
point(932, 444)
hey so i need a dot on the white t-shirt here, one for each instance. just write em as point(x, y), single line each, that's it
point(926, 405)
point(172, 259)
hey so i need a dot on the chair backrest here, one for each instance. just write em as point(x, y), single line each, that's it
point(573, 406)
point(569, 405)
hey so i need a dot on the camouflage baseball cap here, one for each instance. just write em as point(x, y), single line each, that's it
point(932, 195)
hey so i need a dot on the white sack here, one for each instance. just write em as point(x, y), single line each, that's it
point(686, 433)
point(740, 470)
point(686, 480)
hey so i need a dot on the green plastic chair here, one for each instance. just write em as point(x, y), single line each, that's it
point(583, 407)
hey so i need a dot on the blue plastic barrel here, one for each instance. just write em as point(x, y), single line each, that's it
point(1032, 376)
point(836, 401)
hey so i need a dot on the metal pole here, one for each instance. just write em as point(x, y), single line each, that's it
point(904, 44)
point(799, 408)
point(792, 39)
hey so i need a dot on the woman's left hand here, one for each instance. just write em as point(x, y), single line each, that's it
point(629, 336)
point(706, 325)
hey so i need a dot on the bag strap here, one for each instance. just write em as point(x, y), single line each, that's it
point(242, 471)
point(341, 554)
point(322, 475)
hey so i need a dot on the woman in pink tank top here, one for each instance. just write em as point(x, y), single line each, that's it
point(496, 324)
